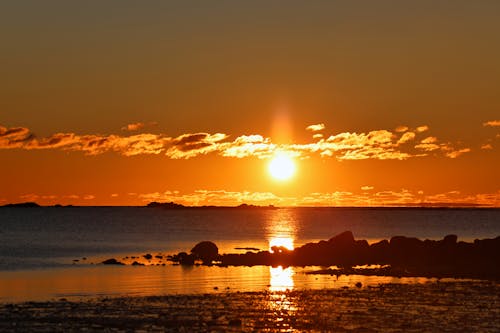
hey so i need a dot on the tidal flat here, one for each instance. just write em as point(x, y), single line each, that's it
point(456, 306)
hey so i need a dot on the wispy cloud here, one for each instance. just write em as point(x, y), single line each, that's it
point(401, 129)
point(456, 153)
point(15, 137)
point(133, 127)
point(316, 127)
point(492, 123)
point(377, 144)
point(137, 126)
point(423, 128)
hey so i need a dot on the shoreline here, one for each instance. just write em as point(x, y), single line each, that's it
point(444, 306)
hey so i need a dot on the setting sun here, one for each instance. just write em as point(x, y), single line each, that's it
point(282, 167)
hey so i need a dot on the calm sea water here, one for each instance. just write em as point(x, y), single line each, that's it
point(39, 246)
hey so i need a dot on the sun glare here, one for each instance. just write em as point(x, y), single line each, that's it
point(282, 167)
point(286, 242)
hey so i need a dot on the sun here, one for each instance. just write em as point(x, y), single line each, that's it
point(282, 167)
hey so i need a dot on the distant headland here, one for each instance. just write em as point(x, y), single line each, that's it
point(173, 205)
point(32, 205)
point(22, 205)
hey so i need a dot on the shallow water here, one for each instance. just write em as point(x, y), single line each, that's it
point(96, 281)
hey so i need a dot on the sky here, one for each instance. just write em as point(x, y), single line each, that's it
point(127, 102)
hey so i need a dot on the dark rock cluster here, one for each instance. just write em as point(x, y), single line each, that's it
point(405, 255)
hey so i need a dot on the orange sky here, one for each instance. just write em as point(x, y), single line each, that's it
point(123, 103)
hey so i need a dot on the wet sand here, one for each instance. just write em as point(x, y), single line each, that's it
point(462, 306)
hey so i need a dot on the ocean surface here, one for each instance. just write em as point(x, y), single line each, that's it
point(56, 252)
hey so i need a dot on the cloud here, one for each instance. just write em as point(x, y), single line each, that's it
point(213, 197)
point(139, 125)
point(401, 129)
point(317, 136)
point(487, 146)
point(133, 127)
point(492, 123)
point(364, 197)
point(191, 145)
point(429, 139)
point(456, 153)
point(377, 144)
point(408, 136)
point(316, 127)
point(15, 137)
point(248, 145)
point(431, 143)
point(422, 128)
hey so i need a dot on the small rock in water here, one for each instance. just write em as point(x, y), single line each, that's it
point(216, 288)
point(112, 261)
point(358, 284)
point(135, 263)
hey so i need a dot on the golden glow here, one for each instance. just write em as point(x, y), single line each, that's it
point(282, 167)
point(281, 278)
point(281, 228)
point(286, 242)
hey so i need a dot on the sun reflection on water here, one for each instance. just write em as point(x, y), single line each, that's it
point(281, 279)
point(281, 229)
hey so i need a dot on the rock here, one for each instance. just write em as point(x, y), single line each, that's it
point(112, 261)
point(344, 238)
point(450, 240)
point(135, 263)
point(206, 251)
point(148, 256)
point(185, 259)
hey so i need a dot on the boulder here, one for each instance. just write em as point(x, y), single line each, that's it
point(344, 238)
point(112, 261)
point(206, 251)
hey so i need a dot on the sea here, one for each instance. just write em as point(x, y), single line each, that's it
point(57, 252)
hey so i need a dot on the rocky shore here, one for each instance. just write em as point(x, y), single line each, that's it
point(470, 306)
point(399, 256)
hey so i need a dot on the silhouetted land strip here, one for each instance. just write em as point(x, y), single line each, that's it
point(23, 205)
point(173, 205)
point(399, 256)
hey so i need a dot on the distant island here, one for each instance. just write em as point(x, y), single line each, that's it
point(23, 205)
point(33, 205)
point(173, 205)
